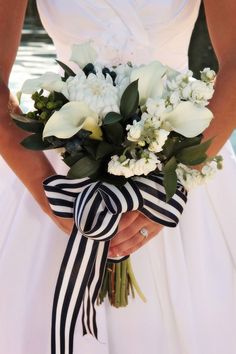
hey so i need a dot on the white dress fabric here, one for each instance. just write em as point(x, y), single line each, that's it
point(187, 273)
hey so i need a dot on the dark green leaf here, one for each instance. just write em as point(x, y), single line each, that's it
point(68, 71)
point(85, 167)
point(191, 154)
point(28, 124)
point(187, 142)
point(114, 133)
point(111, 118)
point(35, 142)
point(129, 100)
point(71, 160)
point(170, 178)
point(104, 149)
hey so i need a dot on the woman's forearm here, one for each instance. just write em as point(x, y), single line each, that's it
point(223, 106)
point(31, 167)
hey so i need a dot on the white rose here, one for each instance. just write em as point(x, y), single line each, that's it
point(83, 54)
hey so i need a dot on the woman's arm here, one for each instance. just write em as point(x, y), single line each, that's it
point(221, 24)
point(31, 167)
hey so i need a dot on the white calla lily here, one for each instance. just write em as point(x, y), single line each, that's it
point(48, 81)
point(83, 54)
point(72, 117)
point(149, 77)
point(187, 119)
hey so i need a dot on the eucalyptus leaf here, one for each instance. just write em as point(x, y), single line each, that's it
point(130, 100)
point(27, 124)
point(35, 142)
point(85, 167)
point(111, 118)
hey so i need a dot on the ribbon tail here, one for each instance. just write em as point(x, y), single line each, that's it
point(92, 291)
point(74, 275)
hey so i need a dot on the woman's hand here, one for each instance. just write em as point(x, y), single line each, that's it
point(66, 225)
point(128, 238)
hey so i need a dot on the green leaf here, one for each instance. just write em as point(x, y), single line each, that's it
point(68, 71)
point(190, 155)
point(111, 118)
point(35, 142)
point(104, 149)
point(170, 178)
point(27, 124)
point(129, 100)
point(72, 159)
point(113, 133)
point(85, 167)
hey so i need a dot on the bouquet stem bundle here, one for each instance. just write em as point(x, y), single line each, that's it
point(119, 283)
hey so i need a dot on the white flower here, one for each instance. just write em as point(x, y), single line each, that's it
point(161, 137)
point(187, 119)
point(198, 92)
point(209, 170)
point(149, 77)
point(208, 75)
point(155, 107)
point(123, 77)
point(49, 81)
point(188, 177)
point(72, 117)
point(134, 130)
point(83, 54)
point(118, 168)
point(145, 165)
point(96, 90)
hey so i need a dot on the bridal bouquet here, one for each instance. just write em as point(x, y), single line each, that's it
point(127, 132)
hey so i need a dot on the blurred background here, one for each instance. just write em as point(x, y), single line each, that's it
point(36, 53)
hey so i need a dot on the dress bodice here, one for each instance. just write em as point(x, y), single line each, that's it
point(133, 30)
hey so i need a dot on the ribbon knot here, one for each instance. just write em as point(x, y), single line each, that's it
point(96, 208)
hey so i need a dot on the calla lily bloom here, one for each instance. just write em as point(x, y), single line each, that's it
point(48, 81)
point(82, 54)
point(187, 119)
point(71, 118)
point(149, 80)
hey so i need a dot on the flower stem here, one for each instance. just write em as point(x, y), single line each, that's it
point(123, 283)
point(134, 281)
point(117, 289)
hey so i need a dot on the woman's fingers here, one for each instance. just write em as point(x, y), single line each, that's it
point(127, 219)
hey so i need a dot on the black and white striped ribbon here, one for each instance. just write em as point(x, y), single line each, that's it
point(96, 208)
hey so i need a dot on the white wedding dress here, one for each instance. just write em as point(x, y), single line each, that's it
point(187, 273)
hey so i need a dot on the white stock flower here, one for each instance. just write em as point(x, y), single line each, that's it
point(49, 81)
point(72, 117)
point(208, 75)
point(149, 77)
point(187, 119)
point(188, 177)
point(161, 137)
point(96, 90)
point(134, 130)
point(83, 54)
point(198, 92)
point(145, 165)
point(118, 168)
point(155, 107)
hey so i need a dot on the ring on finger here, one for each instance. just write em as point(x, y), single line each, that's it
point(144, 232)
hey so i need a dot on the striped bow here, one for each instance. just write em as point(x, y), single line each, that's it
point(96, 208)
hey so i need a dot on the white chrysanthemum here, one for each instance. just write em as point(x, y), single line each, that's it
point(95, 90)
point(198, 92)
point(208, 75)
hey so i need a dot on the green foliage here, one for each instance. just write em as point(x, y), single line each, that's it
point(111, 118)
point(194, 155)
point(68, 71)
point(129, 100)
point(170, 178)
point(84, 167)
point(113, 133)
point(27, 124)
point(35, 142)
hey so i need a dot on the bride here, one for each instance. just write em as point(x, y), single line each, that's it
point(187, 273)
